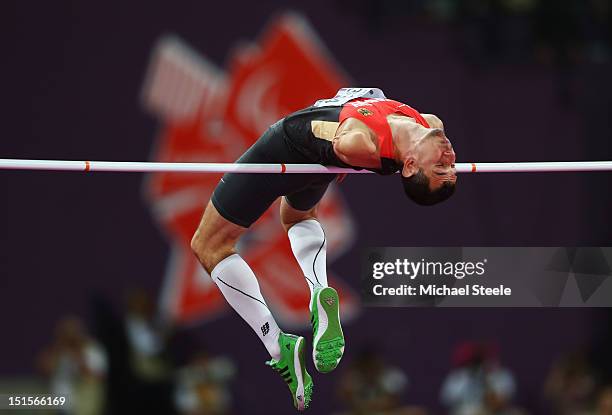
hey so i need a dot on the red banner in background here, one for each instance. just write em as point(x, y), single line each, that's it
point(208, 115)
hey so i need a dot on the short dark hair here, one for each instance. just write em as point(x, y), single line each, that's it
point(417, 189)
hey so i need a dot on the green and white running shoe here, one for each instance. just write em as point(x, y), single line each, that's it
point(328, 339)
point(293, 370)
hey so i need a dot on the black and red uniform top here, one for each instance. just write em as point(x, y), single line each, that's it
point(372, 112)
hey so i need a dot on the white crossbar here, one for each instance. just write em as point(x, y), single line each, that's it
point(156, 167)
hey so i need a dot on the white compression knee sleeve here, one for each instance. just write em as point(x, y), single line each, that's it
point(240, 288)
point(309, 247)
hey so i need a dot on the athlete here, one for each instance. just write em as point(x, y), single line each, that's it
point(359, 128)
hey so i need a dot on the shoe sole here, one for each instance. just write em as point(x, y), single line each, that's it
point(328, 343)
point(303, 393)
point(299, 367)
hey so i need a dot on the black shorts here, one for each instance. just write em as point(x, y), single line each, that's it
point(242, 198)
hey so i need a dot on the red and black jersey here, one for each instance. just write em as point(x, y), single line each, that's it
point(372, 112)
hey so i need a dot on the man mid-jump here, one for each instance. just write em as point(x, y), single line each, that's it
point(359, 128)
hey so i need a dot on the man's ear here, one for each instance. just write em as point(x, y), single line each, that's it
point(410, 168)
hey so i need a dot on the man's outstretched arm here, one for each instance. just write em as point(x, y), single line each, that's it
point(354, 148)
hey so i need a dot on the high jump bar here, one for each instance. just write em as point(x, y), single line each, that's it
point(159, 167)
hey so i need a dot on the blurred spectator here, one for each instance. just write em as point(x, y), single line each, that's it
point(570, 386)
point(76, 366)
point(478, 385)
point(604, 401)
point(140, 377)
point(202, 386)
point(370, 386)
point(145, 339)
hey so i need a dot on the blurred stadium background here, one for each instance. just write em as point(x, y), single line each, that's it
point(99, 296)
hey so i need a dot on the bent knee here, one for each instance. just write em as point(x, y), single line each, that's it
point(197, 242)
point(211, 251)
point(199, 246)
point(290, 218)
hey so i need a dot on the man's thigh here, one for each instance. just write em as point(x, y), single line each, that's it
point(306, 198)
point(290, 216)
point(217, 231)
point(241, 198)
point(303, 204)
point(215, 238)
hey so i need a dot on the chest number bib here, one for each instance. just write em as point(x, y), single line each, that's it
point(345, 95)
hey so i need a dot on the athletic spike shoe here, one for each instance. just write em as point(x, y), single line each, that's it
point(292, 369)
point(328, 339)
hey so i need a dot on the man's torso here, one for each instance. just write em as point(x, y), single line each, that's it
point(312, 129)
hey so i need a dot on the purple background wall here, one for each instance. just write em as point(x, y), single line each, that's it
point(71, 74)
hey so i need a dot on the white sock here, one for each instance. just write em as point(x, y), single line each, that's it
point(240, 288)
point(310, 249)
